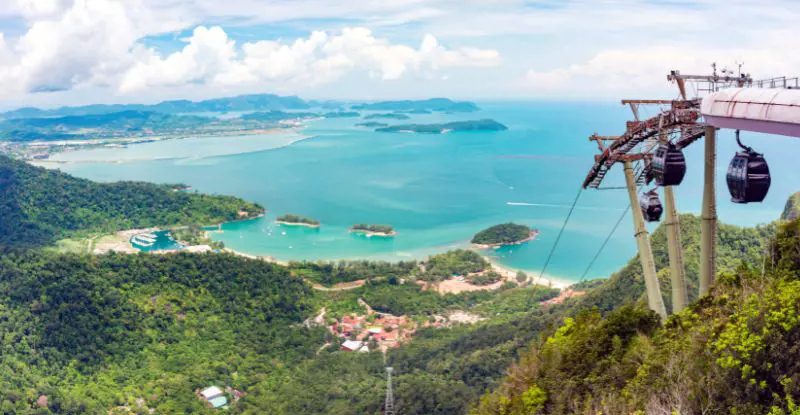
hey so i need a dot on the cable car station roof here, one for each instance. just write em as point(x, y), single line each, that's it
point(771, 111)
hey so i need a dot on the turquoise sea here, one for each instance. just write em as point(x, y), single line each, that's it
point(163, 242)
point(436, 190)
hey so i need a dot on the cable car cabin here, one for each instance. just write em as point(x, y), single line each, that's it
point(748, 177)
point(669, 165)
point(651, 206)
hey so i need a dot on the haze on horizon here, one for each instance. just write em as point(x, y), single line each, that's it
point(77, 52)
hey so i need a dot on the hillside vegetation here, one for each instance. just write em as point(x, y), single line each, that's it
point(792, 209)
point(39, 206)
point(94, 333)
point(734, 351)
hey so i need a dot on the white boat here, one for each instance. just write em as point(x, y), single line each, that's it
point(142, 242)
point(146, 237)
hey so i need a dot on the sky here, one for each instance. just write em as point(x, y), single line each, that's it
point(76, 52)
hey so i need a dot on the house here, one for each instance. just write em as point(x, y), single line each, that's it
point(352, 345)
point(214, 396)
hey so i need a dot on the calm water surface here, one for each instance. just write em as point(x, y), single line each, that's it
point(436, 190)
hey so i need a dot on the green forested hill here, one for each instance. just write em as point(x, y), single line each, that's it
point(735, 245)
point(96, 332)
point(38, 206)
point(792, 209)
point(734, 351)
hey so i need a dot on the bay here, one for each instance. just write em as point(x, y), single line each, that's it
point(436, 190)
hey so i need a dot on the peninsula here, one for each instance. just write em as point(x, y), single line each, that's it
point(373, 230)
point(504, 234)
point(297, 220)
point(457, 126)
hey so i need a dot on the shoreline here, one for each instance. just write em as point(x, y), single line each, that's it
point(270, 259)
point(510, 274)
point(49, 162)
point(308, 225)
point(531, 237)
point(373, 233)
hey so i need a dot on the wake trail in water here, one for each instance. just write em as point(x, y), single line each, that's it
point(595, 208)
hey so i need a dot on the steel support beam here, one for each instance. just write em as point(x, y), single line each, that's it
point(677, 270)
point(654, 299)
point(708, 230)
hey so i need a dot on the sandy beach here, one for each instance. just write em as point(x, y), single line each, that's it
point(260, 258)
point(510, 274)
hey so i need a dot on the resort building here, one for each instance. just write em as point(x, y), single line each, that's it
point(214, 396)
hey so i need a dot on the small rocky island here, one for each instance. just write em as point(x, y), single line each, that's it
point(373, 230)
point(297, 220)
point(342, 114)
point(504, 234)
point(372, 124)
point(457, 126)
point(433, 104)
point(390, 115)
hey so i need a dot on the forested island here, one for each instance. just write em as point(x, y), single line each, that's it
point(372, 124)
point(504, 234)
point(342, 114)
point(276, 115)
point(376, 230)
point(433, 104)
point(291, 219)
point(391, 115)
point(456, 126)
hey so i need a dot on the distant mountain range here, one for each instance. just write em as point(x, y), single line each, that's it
point(260, 102)
point(256, 102)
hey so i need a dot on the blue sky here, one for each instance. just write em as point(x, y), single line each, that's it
point(66, 52)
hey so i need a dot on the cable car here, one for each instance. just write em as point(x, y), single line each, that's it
point(651, 206)
point(669, 165)
point(748, 175)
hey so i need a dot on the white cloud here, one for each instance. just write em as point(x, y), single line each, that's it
point(209, 53)
point(577, 48)
point(210, 57)
point(70, 43)
point(634, 72)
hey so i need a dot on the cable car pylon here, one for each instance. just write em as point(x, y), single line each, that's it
point(389, 404)
point(654, 299)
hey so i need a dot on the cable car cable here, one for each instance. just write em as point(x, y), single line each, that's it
point(603, 246)
point(561, 232)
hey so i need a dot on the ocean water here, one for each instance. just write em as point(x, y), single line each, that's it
point(163, 242)
point(436, 190)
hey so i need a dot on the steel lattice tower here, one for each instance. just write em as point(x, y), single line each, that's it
point(389, 395)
